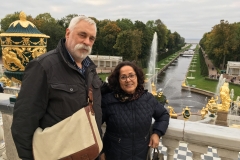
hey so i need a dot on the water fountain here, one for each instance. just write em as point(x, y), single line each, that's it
point(151, 79)
point(152, 61)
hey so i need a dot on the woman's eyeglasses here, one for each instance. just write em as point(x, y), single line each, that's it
point(130, 76)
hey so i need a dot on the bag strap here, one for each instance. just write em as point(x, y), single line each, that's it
point(90, 100)
point(156, 149)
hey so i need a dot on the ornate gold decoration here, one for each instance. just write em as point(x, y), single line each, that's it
point(24, 42)
point(154, 92)
point(16, 80)
point(172, 113)
point(6, 81)
point(204, 111)
point(186, 113)
point(225, 97)
point(23, 21)
point(38, 51)
point(212, 106)
point(184, 84)
point(16, 58)
point(10, 60)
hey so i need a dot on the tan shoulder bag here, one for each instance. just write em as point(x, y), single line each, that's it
point(74, 138)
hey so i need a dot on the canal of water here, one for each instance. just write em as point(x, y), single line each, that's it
point(170, 82)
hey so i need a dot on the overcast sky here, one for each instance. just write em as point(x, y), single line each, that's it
point(190, 18)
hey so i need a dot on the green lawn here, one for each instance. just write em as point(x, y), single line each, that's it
point(103, 75)
point(205, 83)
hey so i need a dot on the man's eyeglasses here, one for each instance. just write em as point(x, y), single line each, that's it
point(130, 76)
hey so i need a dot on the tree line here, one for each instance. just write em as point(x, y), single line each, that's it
point(222, 43)
point(131, 40)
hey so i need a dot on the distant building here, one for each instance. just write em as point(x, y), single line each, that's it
point(233, 68)
point(106, 64)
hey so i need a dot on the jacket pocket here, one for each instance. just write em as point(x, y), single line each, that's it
point(65, 87)
point(65, 99)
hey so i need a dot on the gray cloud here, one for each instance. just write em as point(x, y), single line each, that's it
point(190, 18)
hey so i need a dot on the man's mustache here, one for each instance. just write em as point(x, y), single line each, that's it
point(82, 46)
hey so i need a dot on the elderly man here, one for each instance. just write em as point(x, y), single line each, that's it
point(55, 85)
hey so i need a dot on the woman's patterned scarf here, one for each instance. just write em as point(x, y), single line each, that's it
point(124, 97)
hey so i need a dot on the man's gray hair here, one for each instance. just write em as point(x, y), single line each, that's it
point(77, 19)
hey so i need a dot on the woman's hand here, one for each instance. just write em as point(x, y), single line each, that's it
point(154, 141)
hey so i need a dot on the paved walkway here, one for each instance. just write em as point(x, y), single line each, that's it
point(212, 72)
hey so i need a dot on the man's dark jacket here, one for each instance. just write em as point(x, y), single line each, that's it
point(52, 90)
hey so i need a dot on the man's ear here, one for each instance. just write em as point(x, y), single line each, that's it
point(67, 33)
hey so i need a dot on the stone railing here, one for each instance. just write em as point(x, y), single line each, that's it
point(197, 135)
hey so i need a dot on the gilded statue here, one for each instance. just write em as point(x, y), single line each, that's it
point(225, 97)
point(212, 106)
point(5, 81)
point(9, 58)
point(8, 41)
point(184, 84)
point(186, 113)
point(204, 111)
point(172, 113)
point(38, 51)
point(20, 54)
point(26, 41)
point(154, 92)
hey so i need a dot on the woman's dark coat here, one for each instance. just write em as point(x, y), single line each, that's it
point(128, 125)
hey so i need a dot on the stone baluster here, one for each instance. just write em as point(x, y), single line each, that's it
point(225, 139)
point(172, 137)
point(197, 150)
point(171, 145)
point(225, 154)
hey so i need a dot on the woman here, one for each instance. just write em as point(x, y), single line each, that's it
point(128, 113)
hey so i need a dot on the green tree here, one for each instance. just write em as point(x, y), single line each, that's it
point(129, 44)
point(109, 35)
point(162, 31)
point(66, 20)
point(8, 19)
point(56, 33)
point(145, 41)
point(98, 47)
point(124, 24)
point(49, 26)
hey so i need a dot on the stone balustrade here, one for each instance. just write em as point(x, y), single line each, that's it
point(197, 135)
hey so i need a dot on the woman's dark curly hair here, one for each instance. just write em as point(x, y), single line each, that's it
point(113, 79)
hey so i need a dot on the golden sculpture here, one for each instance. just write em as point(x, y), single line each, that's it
point(225, 97)
point(6, 82)
point(212, 106)
point(23, 21)
point(160, 94)
point(184, 84)
point(9, 58)
point(204, 111)
point(172, 113)
point(186, 113)
point(154, 92)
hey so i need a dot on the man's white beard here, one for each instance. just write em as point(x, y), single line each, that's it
point(82, 46)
